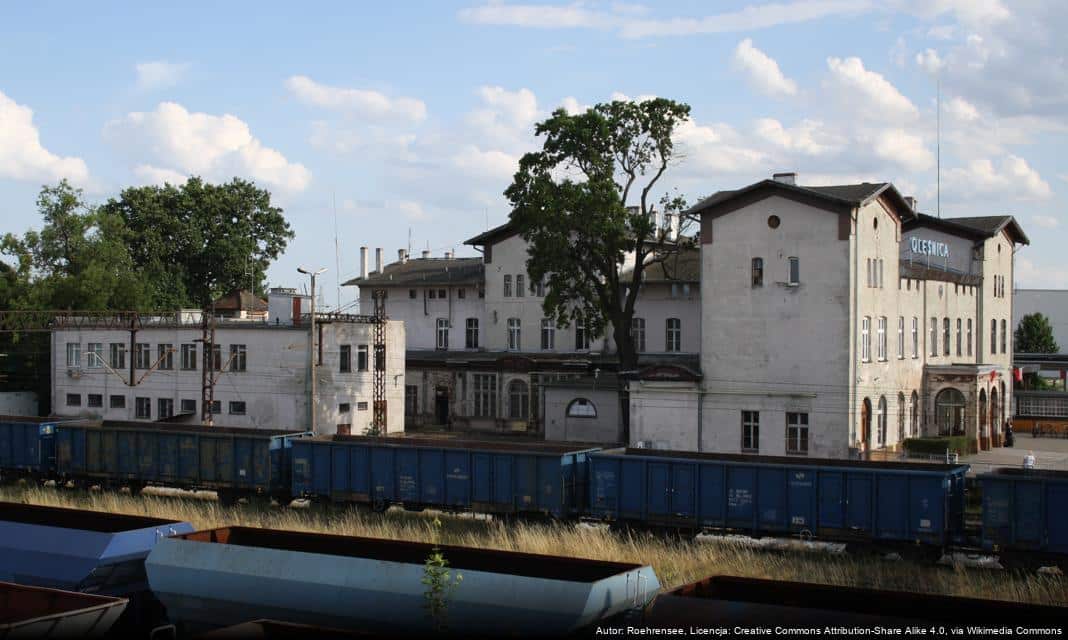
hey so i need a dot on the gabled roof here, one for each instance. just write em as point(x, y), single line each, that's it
point(493, 235)
point(240, 300)
point(425, 271)
point(992, 225)
point(840, 197)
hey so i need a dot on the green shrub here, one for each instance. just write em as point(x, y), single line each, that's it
point(963, 445)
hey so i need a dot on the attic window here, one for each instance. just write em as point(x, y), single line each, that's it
point(773, 222)
point(875, 223)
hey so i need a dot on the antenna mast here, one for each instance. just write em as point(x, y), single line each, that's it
point(337, 255)
point(938, 146)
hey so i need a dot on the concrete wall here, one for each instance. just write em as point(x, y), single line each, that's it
point(664, 415)
point(273, 386)
point(605, 428)
point(659, 301)
point(18, 403)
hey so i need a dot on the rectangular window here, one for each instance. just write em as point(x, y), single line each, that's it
point(934, 337)
point(380, 357)
point(880, 273)
point(485, 395)
point(993, 336)
point(461, 293)
point(548, 335)
point(165, 408)
point(868, 263)
point(411, 294)
point(637, 334)
point(431, 293)
point(361, 406)
point(94, 400)
point(795, 270)
point(758, 272)
point(239, 357)
point(411, 400)
point(74, 354)
point(117, 402)
point(216, 407)
point(117, 355)
point(514, 342)
point(946, 336)
point(539, 288)
point(142, 355)
point(471, 334)
point(507, 286)
point(441, 294)
point(94, 357)
point(582, 339)
point(189, 405)
point(361, 357)
point(901, 337)
point(442, 341)
point(751, 431)
point(915, 337)
point(165, 353)
point(960, 339)
point(237, 407)
point(969, 337)
point(143, 408)
point(797, 433)
point(674, 335)
point(520, 289)
point(345, 361)
point(865, 339)
point(1003, 349)
point(344, 407)
point(189, 357)
point(215, 360)
point(74, 399)
point(881, 329)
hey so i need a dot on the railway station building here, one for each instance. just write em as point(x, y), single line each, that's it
point(836, 321)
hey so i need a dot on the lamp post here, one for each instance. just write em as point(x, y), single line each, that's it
point(311, 354)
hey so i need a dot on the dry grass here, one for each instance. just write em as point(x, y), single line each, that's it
point(676, 561)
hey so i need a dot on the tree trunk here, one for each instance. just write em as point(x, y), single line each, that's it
point(628, 365)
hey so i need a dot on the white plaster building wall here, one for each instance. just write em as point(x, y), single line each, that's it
point(420, 315)
point(1052, 303)
point(997, 261)
point(602, 428)
point(656, 304)
point(664, 415)
point(273, 386)
point(776, 348)
point(509, 257)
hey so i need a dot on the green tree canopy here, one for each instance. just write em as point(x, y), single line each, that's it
point(197, 241)
point(1035, 335)
point(570, 203)
point(78, 260)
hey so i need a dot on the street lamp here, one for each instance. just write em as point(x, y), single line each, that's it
point(311, 354)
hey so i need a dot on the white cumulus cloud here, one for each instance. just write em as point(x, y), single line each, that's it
point(217, 147)
point(904, 149)
point(1046, 222)
point(23, 157)
point(363, 102)
point(869, 90)
point(155, 175)
point(159, 74)
point(492, 164)
point(1011, 177)
point(762, 71)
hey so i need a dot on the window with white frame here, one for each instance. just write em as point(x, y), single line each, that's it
point(361, 357)
point(518, 400)
point(514, 336)
point(143, 408)
point(117, 355)
point(74, 354)
point(239, 357)
point(757, 275)
point(94, 357)
point(581, 408)
point(189, 405)
point(142, 355)
point(969, 337)
point(471, 334)
point(637, 334)
point(189, 357)
point(934, 338)
point(795, 270)
point(520, 287)
point(750, 431)
point(797, 433)
point(881, 331)
point(165, 408)
point(539, 288)
point(901, 337)
point(442, 333)
point(960, 338)
point(548, 334)
point(946, 336)
point(993, 336)
point(674, 335)
point(582, 339)
point(507, 286)
point(165, 353)
point(485, 388)
point(915, 337)
point(865, 339)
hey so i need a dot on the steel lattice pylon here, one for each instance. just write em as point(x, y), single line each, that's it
point(379, 390)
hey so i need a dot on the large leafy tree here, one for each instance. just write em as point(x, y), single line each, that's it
point(199, 240)
point(583, 205)
point(1035, 335)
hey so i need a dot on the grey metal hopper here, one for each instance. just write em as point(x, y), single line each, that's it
point(227, 576)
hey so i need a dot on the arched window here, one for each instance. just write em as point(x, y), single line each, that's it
point(949, 412)
point(982, 412)
point(914, 406)
point(995, 411)
point(865, 424)
point(901, 417)
point(581, 408)
point(882, 421)
point(518, 400)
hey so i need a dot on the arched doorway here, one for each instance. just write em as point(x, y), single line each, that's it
point(914, 407)
point(901, 418)
point(865, 425)
point(982, 417)
point(949, 412)
point(995, 421)
point(881, 422)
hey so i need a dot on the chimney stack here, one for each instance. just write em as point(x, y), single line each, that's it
point(426, 253)
point(448, 255)
point(672, 224)
point(363, 262)
point(378, 260)
point(785, 178)
point(912, 202)
point(400, 256)
point(654, 220)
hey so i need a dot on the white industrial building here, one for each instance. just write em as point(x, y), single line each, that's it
point(153, 367)
point(837, 321)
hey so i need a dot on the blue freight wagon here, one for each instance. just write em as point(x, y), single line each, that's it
point(829, 499)
point(26, 444)
point(1025, 510)
point(483, 476)
point(232, 461)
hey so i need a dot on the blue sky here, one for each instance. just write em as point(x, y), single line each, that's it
point(412, 115)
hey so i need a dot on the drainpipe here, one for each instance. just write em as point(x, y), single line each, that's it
point(700, 416)
point(853, 384)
